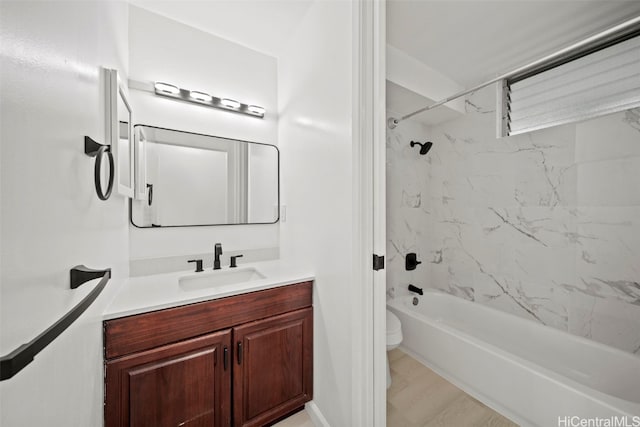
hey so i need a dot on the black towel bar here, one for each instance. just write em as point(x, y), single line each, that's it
point(15, 361)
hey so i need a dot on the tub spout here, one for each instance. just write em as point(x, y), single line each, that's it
point(415, 289)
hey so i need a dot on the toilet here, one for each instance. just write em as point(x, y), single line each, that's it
point(394, 338)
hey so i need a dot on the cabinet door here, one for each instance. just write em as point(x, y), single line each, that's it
point(273, 367)
point(183, 384)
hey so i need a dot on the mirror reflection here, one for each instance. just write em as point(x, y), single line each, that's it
point(194, 179)
point(124, 142)
point(120, 132)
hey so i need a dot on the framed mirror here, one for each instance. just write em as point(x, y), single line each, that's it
point(120, 134)
point(194, 180)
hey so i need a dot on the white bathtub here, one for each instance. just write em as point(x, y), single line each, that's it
point(530, 373)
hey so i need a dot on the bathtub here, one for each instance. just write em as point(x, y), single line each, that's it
point(533, 374)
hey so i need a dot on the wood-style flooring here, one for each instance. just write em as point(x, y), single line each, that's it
point(418, 397)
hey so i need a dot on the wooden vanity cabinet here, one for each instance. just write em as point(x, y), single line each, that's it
point(245, 360)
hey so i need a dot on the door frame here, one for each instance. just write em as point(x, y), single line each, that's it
point(369, 209)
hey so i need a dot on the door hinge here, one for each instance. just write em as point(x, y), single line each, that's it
point(378, 262)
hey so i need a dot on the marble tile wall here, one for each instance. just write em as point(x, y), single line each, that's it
point(544, 225)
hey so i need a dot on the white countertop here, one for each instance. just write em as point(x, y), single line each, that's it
point(148, 293)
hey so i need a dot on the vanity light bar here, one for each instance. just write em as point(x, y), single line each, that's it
point(202, 98)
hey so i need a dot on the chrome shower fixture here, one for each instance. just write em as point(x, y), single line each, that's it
point(424, 148)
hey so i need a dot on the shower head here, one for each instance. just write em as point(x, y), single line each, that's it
point(424, 148)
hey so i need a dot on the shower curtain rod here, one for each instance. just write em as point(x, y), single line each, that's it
point(624, 29)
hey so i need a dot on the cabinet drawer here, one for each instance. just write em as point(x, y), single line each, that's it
point(140, 332)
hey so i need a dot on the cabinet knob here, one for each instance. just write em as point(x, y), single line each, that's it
point(239, 352)
point(225, 354)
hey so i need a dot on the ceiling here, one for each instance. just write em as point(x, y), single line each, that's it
point(472, 41)
point(262, 25)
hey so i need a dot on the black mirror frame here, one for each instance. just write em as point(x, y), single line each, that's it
point(150, 201)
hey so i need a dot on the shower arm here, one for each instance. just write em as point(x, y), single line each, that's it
point(624, 30)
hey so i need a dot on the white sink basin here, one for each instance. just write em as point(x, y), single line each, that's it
point(214, 279)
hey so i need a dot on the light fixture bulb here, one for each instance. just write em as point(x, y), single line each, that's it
point(200, 96)
point(230, 103)
point(167, 88)
point(256, 110)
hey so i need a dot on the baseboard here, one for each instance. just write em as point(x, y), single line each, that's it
point(316, 416)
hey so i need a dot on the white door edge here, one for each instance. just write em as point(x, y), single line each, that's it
point(369, 177)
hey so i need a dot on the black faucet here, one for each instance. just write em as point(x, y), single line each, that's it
point(216, 256)
point(415, 289)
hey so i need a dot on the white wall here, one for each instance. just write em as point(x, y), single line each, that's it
point(52, 95)
point(164, 50)
point(314, 93)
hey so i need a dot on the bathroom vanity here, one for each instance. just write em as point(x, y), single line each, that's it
point(241, 360)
